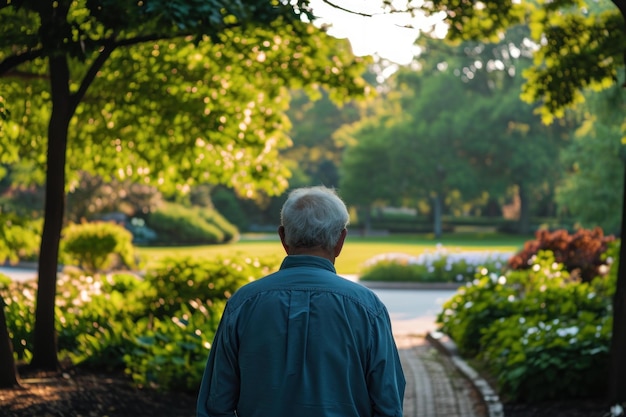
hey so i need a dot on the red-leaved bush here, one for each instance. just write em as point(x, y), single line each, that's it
point(580, 253)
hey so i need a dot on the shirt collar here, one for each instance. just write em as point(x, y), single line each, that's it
point(294, 261)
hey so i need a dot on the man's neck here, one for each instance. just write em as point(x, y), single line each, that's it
point(317, 251)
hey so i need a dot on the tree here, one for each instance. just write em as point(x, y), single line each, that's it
point(594, 157)
point(426, 154)
point(364, 179)
point(314, 149)
point(411, 136)
point(500, 134)
point(580, 46)
point(162, 92)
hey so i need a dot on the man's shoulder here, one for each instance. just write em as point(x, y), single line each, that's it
point(318, 281)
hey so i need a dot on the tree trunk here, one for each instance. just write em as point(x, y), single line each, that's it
point(437, 216)
point(367, 221)
point(8, 371)
point(617, 365)
point(524, 212)
point(45, 340)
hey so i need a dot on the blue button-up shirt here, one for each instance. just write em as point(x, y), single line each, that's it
point(303, 342)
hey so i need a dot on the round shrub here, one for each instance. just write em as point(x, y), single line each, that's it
point(97, 246)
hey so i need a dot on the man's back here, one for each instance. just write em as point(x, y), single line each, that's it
point(305, 342)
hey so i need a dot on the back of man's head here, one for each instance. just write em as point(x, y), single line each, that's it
point(313, 217)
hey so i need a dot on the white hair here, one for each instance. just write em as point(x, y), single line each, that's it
point(313, 217)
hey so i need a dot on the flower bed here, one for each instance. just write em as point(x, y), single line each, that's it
point(440, 265)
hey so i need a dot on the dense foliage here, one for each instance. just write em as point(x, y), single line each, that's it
point(541, 334)
point(157, 328)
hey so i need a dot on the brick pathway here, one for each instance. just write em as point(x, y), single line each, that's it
point(435, 388)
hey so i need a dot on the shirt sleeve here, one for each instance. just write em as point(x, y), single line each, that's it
point(219, 389)
point(385, 378)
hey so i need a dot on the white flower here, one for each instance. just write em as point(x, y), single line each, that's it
point(617, 410)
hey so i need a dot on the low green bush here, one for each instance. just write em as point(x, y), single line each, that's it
point(19, 238)
point(97, 316)
point(157, 328)
point(536, 359)
point(171, 352)
point(173, 281)
point(97, 246)
point(19, 310)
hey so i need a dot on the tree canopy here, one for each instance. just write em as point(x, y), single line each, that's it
point(166, 93)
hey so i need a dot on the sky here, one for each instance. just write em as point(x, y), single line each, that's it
point(382, 34)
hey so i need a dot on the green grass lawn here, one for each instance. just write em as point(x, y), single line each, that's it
point(356, 251)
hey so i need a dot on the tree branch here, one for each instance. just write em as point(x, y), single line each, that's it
point(14, 60)
point(343, 9)
point(391, 9)
point(91, 75)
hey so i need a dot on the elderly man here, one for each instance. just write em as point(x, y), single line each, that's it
point(304, 342)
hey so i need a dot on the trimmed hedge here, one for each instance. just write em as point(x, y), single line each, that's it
point(178, 225)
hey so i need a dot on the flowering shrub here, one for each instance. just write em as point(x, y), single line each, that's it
point(580, 253)
point(540, 333)
point(441, 265)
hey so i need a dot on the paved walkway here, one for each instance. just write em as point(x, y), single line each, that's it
point(435, 387)
point(439, 382)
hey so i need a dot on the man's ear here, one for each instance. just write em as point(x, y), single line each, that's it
point(340, 242)
point(281, 234)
